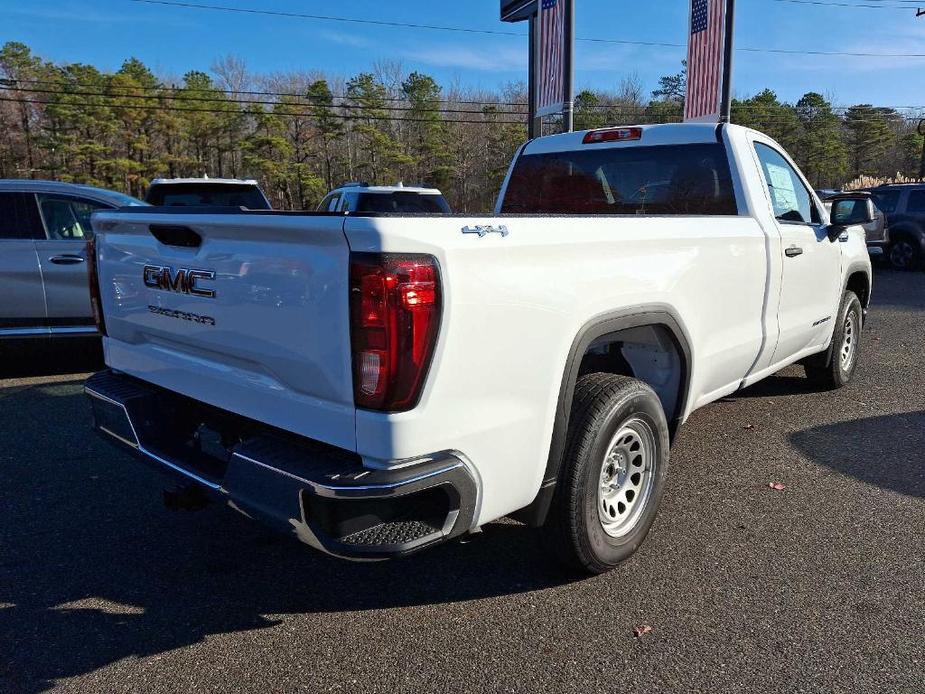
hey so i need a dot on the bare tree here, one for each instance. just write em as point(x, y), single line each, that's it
point(232, 73)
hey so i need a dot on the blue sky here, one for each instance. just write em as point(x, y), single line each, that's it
point(174, 39)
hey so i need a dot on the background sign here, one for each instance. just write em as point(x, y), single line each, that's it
point(550, 84)
point(517, 10)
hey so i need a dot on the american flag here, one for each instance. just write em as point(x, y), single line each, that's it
point(551, 85)
point(705, 59)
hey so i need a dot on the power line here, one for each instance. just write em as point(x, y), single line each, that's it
point(243, 92)
point(859, 5)
point(776, 120)
point(612, 109)
point(268, 113)
point(176, 94)
point(248, 102)
point(498, 32)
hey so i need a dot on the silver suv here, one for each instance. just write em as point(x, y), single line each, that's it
point(44, 228)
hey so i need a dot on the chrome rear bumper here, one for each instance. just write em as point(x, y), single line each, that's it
point(321, 494)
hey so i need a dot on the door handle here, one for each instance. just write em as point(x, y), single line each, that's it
point(793, 251)
point(66, 259)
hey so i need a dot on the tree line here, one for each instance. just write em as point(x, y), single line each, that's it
point(302, 133)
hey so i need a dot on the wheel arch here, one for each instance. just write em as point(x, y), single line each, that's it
point(907, 229)
point(858, 280)
point(658, 316)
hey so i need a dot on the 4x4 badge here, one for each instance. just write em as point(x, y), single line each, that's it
point(483, 230)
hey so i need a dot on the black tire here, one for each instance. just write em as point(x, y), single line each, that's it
point(605, 405)
point(904, 253)
point(830, 370)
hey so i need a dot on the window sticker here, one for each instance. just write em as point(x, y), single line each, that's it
point(783, 193)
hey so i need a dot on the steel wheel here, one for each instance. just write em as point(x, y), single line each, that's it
point(902, 254)
point(849, 341)
point(626, 477)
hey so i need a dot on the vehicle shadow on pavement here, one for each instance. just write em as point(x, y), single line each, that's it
point(93, 569)
point(47, 357)
point(884, 451)
point(776, 386)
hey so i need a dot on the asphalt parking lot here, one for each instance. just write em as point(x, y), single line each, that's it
point(819, 587)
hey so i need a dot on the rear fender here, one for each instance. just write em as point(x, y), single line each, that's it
point(636, 317)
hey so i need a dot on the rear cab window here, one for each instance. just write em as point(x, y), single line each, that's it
point(661, 180)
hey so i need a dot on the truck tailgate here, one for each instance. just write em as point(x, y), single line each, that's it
point(272, 343)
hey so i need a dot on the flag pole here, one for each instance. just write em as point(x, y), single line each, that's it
point(725, 111)
point(534, 124)
point(568, 103)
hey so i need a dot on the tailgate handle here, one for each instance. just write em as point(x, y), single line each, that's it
point(175, 235)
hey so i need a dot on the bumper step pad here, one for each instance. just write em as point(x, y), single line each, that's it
point(322, 494)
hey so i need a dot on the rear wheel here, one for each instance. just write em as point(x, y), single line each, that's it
point(836, 368)
point(904, 254)
point(613, 473)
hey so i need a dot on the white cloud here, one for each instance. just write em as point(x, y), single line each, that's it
point(489, 60)
point(342, 38)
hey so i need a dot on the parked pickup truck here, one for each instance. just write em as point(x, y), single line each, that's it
point(377, 384)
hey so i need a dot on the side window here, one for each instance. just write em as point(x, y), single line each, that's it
point(83, 209)
point(887, 200)
point(66, 218)
point(916, 202)
point(790, 199)
point(19, 217)
point(332, 203)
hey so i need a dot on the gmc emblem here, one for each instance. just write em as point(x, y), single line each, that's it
point(183, 281)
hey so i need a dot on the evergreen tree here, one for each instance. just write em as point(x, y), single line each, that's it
point(426, 132)
point(382, 154)
point(821, 153)
point(329, 128)
point(870, 136)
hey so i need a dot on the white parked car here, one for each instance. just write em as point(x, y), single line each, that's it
point(362, 197)
point(208, 192)
point(377, 384)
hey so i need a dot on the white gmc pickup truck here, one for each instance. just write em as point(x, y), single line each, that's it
point(377, 384)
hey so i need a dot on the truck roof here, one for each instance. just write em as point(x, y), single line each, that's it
point(221, 181)
point(661, 134)
point(397, 188)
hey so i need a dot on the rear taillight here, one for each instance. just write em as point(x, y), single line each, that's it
point(95, 303)
point(394, 317)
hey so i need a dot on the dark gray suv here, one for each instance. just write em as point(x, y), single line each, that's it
point(904, 206)
point(44, 228)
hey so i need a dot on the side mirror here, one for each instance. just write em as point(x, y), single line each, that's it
point(849, 210)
